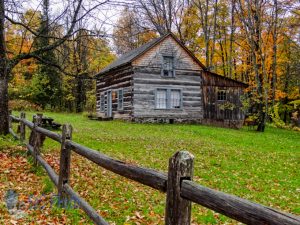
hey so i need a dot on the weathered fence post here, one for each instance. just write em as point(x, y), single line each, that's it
point(9, 119)
point(22, 127)
point(65, 160)
point(178, 210)
point(36, 137)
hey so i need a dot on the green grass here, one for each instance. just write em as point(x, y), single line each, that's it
point(261, 167)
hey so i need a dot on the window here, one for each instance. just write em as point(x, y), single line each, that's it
point(221, 95)
point(175, 100)
point(168, 99)
point(161, 99)
point(102, 103)
point(168, 66)
point(120, 99)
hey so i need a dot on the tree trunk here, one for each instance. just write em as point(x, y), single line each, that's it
point(232, 29)
point(274, 64)
point(4, 124)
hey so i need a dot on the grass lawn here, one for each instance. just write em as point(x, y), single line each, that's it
point(261, 167)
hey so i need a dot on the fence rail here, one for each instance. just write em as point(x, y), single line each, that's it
point(178, 184)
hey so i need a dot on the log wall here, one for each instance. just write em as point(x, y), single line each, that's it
point(117, 79)
point(145, 83)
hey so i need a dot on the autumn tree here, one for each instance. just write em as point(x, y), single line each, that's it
point(129, 33)
point(46, 83)
point(11, 10)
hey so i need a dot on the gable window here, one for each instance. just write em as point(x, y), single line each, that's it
point(168, 99)
point(221, 95)
point(120, 99)
point(102, 103)
point(168, 66)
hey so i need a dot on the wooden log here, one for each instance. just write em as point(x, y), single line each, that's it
point(22, 126)
point(234, 207)
point(81, 202)
point(11, 131)
point(65, 160)
point(9, 119)
point(85, 206)
point(53, 176)
point(54, 136)
point(149, 177)
point(36, 138)
point(178, 209)
point(14, 118)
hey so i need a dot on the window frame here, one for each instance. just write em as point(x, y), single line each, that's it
point(168, 98)
point(171, 73)
point(222, 95)
point(102, 102)
point(120, 101)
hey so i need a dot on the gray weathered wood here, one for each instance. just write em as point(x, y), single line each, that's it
point(14, 118)
point(36, 138)
point(65, 160)
point(53, 176)
point(11, 131)
point(234, 207)
point(22, 126)
point(178, 209)
point(82, 203)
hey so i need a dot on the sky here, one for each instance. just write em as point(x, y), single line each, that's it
point(104, 17)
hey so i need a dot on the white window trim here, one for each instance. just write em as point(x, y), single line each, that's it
point(168, 103)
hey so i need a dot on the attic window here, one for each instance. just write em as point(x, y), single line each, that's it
point(168, 66)
point(222, 95)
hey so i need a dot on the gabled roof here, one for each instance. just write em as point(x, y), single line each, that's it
point(135, 53)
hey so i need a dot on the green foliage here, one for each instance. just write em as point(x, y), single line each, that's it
point(45, 88)
point(48, 186)
point(295, 104)
point(276, 117)
point(46, 85)
point(227, 105)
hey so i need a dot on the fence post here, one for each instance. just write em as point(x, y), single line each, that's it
point(36, 137)
point(22, 127)
point(178, 210)
point(9, 119)
point(65, 160)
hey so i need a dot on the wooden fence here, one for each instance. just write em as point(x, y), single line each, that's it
point(180, 189)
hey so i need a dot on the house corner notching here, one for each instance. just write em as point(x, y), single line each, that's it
point(163, 82)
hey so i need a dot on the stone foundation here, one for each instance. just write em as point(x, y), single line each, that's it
point(166, 120)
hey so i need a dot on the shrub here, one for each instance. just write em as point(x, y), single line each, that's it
point(23, 105)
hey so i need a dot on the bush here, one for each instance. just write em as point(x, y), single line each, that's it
point(23, 105)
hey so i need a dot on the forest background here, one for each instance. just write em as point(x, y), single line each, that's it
point(253, 41)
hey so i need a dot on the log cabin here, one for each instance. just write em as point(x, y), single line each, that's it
point(163, 82)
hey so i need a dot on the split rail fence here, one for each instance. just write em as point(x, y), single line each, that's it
point(181, 191)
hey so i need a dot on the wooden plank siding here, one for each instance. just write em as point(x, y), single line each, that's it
point(169, 47)
point(214, 111)
point(115, 80)
point(146, 81)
